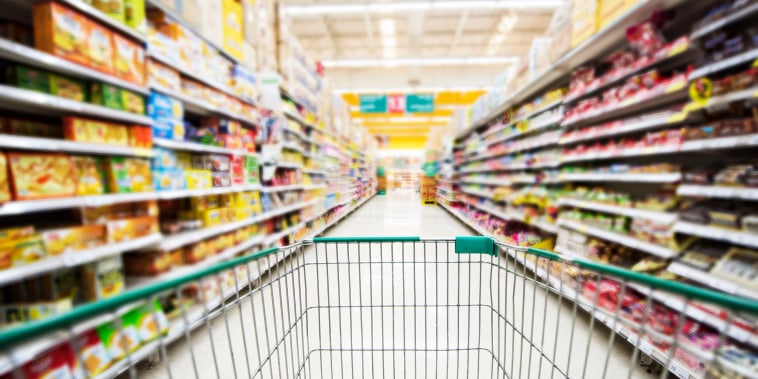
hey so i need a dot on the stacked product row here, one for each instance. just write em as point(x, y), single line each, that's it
point(643, 162)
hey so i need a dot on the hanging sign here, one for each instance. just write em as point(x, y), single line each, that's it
point(419, 103)
point(373, 103)
point(396, 103)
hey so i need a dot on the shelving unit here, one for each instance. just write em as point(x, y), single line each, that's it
point(603, 153)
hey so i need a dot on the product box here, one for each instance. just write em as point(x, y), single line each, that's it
point(585, 20)
point(168, 129)
point(94, 355)
point(91, 180)
point(39, 176)
point(30, 128)
point(169, 179)
point(21, 251)
point(149, 321)
point(67, 240)
point(127, 175)
point(100, 50)
point(58, 362)
point(131, 228)
point(195, 253)
point(199, 179)
point(160, 106)
point(95, 131)
point(147, 263)
point(39, 310)
point(5, 185)
point(129, 58)
point(61, 31)
point(68, 88)
point(117, 98)
point(190, 14)
point(232, 23)
point(27, 78)
point(212, 22)
point(164, 76)
point(102, 279)
point(134, 12)
point(610, 10)
point(112, 8)
point(114, 342)
point(58, 285)
point(141, 136)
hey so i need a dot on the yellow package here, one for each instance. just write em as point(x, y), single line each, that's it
point(211, 217)
point(113, 8)
point(20, 251)
point(90, 176)
point(140, 174)
point(199, 203)
point(134, 14)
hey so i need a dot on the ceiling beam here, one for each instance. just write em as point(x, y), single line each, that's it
point(459, 29)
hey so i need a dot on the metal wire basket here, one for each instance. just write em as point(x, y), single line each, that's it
point(400, 307)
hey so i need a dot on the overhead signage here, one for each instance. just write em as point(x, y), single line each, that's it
point(397, 103)
point(419, 103)
point(373, 103)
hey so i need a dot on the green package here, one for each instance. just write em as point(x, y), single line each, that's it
point(118, 175)
point(105, 95)
point(132, 102)
point(27, 78)
point(252, 170)
point(69, 88)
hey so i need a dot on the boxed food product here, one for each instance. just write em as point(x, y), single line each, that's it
point(27, 78)
point(113, 8)
point(66, 240)
point(117, 98)
point(134, 13)
point(160, 106)
point(61, 31)
point(584, 20)
point(58, 362)
point(13, 313)
point(131, 228)
point(196, 253)
point(168, 128)
point(100, 49)
point(68, 88)
point(115, 342)
point(30, 128)
point(147, 263)
point(141, 136)
point(126, 175)
point(92, 352)
point(95, 131)
point(57, 285)
point(129, 58)
point(233, 34)
point(38, 176)
point(5, 188)
point(102, 279)
point(610, 10)
point(149, 320)
point(163, 76)
point(199, 179)
point(212, 23)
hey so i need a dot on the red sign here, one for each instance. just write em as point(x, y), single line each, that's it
point(396, 103)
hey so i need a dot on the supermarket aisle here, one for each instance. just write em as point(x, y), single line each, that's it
point(399, 213)
point(349, 314)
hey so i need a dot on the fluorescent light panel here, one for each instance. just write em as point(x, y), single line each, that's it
point(411, 89)
point(438, 61)
point(347, 8)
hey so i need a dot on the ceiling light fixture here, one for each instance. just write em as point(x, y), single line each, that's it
point(504, 26)
point(347, 8)
point(412, 89)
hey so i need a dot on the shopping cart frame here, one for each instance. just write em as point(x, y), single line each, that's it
point(477, 249)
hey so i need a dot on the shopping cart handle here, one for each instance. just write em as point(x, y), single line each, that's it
point(475, 245)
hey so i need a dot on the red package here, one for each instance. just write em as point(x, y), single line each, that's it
point(59, 362)
point(646, 38)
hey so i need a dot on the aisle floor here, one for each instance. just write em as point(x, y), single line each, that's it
point(420, 315)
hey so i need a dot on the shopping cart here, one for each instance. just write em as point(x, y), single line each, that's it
point(404, 307)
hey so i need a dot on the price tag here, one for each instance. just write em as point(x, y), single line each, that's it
point(646, 347)
point(678, 49)
point(678, 371)
point(675, 87)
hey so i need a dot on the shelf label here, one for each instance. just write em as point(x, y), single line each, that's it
point(678, 371)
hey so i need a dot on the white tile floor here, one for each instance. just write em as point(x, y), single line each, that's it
point(429, 313)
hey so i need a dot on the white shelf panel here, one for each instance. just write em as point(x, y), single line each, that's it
point(723, 100)
point(289, 165)
point(716, 233)
point(22, 54)
point(653, 150)
point(712, 280)
point(13, 97)
point(175, 241)
point(73, 259)
point(717, 192)
point(621, 177)
point(721, 143)
point(721, 22)
point(28, 206)
point(724, 64)
point(661, 217)
point(644, 123)
point(49, 144)
point(550, 228)
point(654, 249)
point(293, 187)
point(294, 147)
point(313, 172)
point(194, 146)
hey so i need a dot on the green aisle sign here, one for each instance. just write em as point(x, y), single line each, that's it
point(373, 103)
point(419, 103)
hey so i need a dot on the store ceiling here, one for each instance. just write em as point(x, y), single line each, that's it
point(429, 46)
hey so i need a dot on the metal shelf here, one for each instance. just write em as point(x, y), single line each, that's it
point(49, 144)
point(621, 177)
point(718, 192)
point(721, 234)
point(661, 217)
point(11, 98)
point(654, 249)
